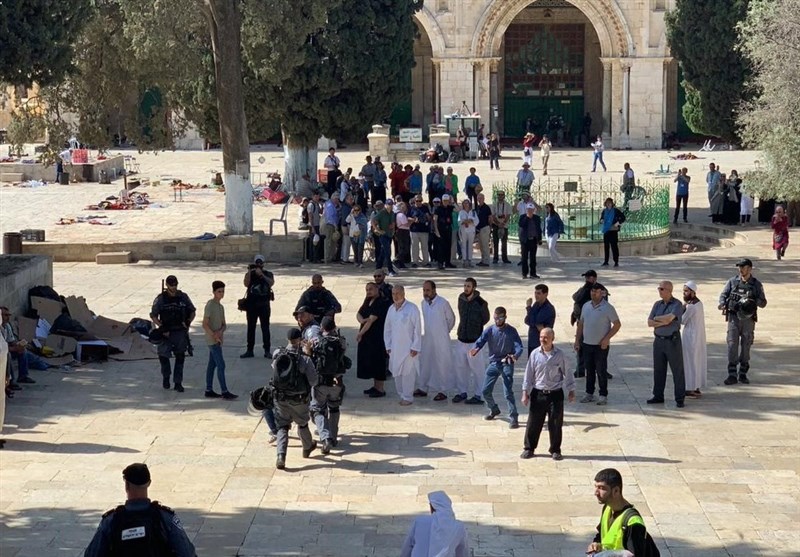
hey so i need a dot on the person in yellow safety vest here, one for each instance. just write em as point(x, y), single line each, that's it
point(619, 528)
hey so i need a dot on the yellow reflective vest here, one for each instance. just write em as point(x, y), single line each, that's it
point(611, 533)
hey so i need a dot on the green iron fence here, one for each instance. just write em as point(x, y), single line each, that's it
point(580, 203)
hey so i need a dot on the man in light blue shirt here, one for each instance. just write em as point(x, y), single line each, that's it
point(712, 180)
point(505, 348)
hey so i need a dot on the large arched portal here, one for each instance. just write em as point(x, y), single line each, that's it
point(417, 110)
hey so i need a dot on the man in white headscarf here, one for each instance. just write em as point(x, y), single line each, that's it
point(695, 355)
point(438, 534)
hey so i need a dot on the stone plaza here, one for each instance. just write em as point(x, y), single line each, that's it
point(717, 478)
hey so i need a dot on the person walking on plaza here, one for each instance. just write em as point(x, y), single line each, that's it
point(580, 297)
point(530, 236)
point(693, 341)
point(140, 525)
point(545, 146)
point(527, 148)
point(780, 232)
point(402, 336)
point(539, 314)
point(258, 300)
point(435, 372)
point(546, 382)
point(419, 216)
point(621, 526)
point(437, 534)
point(319, 300)
point(681, 193)
point(214, 326)
point(173, 313)
point(505, 348)
point(739, 302)
point(501, 214)
point(371, 361)
point(611, 220)
point(467, 219)
point(525, 179)
point(328, 389)
point(553, 229)
point(443, 229)
point(597, 325)
point(293, 374)
point(598, 148)
point(493, 147)
point(628, 184)
point(665, 319)
point(482, 229)
point(473, 314)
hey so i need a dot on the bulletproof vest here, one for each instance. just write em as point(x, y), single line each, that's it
point(139, 533)
point(288, 379)
point(329, 356)
point(173, 311)
point(317, 302)
point(742, 299)
point(260, 290)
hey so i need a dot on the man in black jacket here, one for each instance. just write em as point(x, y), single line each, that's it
point(259, 283)
point(473, 314)
point(530, 236)
point(319, 300)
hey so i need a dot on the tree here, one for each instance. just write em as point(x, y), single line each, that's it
point(702, 37)
point(37, 39)
point(344, 75)
point(771, 122)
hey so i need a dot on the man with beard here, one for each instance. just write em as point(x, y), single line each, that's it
point(435, 372)
point(473, 314)
point(695, 355)
point(443, 229)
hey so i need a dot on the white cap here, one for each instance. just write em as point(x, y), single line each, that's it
point(446, 196)
point(259, 257)
point(691, 285)
point(530, 206)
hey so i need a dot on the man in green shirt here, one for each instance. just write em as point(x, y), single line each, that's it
point(214, 326)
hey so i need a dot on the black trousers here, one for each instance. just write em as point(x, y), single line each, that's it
point(261, 314)
point(596, 361)
point(611, 241)
point(500, 240)
point(528, 251)
point(551, 404)
point(668, 350)
point(444, 241)
point(680, 199)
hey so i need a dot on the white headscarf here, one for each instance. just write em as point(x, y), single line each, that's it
point(445, 529)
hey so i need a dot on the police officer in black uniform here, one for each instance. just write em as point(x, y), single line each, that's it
point(140, 527)
point(172, 313)
point(293, 407)
point(327, 393)
point(259, 283)
point(739, 302)
point(319, 300)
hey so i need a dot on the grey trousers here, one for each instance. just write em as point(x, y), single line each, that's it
point(668, 351)
point(286, 412)
point(741, 333)
point(325, 402)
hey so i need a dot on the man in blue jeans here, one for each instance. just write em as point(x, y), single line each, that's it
point(214, 326)
point(384, 231)
point(505, 347)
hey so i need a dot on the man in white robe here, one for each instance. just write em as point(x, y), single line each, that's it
point(436, 364)
point(402, 335)
point(438, 534)
point(695, 354)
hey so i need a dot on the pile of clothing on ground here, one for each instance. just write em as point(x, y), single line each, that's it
point(127, 200)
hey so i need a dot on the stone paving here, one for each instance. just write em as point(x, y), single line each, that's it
point(718, 478)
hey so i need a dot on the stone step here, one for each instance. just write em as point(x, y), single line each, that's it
point(113, 258)
point(11, 177)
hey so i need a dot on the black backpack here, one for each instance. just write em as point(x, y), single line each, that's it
point(288, 379)
point(139, 533)
point(651, 550)
point(329, 356)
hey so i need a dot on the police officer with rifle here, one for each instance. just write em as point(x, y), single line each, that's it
point(739, 302)
point(172, 314)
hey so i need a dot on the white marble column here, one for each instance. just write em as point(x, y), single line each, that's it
point(606, 100)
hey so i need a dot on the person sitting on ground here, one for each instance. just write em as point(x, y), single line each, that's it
point(438, 534)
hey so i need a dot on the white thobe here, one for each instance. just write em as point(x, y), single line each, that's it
point(418, 541)
point(470, 370)
point(436, 359)
point(693, 339)
point(402, 333)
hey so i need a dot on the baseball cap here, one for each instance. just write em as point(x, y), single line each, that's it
point(258, 258)
point(744, 262)
point(379, 202)
point(437, 200)
point(590, 273)
point(172, 280)
point(294, 333)
point(445, 196)
point(137, 474)
point(301, 309)
point(530, 206)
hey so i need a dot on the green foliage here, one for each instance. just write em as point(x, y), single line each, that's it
point(37, 38)
point(703, 38)
point(771, 122)
point(26, 126)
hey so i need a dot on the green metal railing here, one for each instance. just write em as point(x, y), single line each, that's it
point(580, 203)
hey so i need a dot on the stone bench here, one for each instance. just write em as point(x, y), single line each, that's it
point(113, 258)
point(11, 177)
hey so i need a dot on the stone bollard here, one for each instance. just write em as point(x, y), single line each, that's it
point(441, 137)
point(379, 141)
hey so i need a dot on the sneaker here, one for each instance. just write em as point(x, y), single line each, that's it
point(326, 446)
point(655, 400)
point(227, 395)
point(535, 276)
point(604, 264)
point(513, 424)
point(743, 379)
point(587, 398)
point(602, 401)
point(731, 380)
point(307, 452)
point(272, 438)
point(491, 415)
point(179, 387)
point(280, 462)
point(393, 274)
point(248, 354)
point(526, 454)
point(26, 379)
point(165, 383)
point(474, 400)
point(557, 456)
point(461, 397)
point(680, 403)
point(212, 394)
point(370, 391)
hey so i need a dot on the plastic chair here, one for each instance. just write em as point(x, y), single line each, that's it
point(282, 220)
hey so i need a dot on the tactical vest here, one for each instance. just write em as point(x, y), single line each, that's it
point(140, 533)
point(740, 292)
point(172, 312)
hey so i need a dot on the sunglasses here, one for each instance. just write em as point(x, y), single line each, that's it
point(661, 288)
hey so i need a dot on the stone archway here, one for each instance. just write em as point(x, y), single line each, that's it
point(606, 17)
point(427, 21)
